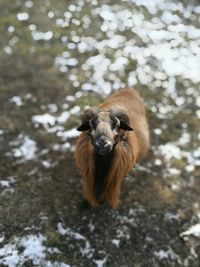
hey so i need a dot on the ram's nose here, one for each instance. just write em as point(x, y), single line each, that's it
point(102, 146)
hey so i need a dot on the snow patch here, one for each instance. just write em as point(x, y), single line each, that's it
point(63, 117)
point(22, 16)
point(115, 242)
point(38, 36)
point(68, 134)
point(67, 231)
point(4, 183)
point(184, 139)
point(33, 249)
point(193, 230)
point(30, 248)
point(167, 254)
point(16, 100)
point(85, 246)
point(51, 123)
point(170, 150)
point(27, 149)
point(100, 263)
point(45, 119)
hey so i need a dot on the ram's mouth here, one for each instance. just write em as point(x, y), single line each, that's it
point(103, 151)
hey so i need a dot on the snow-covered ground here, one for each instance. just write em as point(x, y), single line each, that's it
point(98, 47)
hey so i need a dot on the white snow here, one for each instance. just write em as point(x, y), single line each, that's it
point(11, 28)
point(68, 134)
point(193, 230)
point(34, 248)
point(4, 183)
point(63, 147)
point(184, 139)
point(45, 119)
point(158, 162)
point(167, 254)
point(70, 98)
point(61, 229)
point(100, 263)
point(17, 100)
point(72, 62)
point(75, 110)
point(115, 242)
point(85, 246)
point(198, 113)
point(30, 248)
point(63, 117)
point(165, 36)
point(63, 61)
point(47, 164)
point(42, 35)
point(67, 231)
point(27, 149)
point(29, 3)
point(157, 131)
point(87, 250)
point(170, 150)
point(52, 108)
point(22, 16)
point(174, 171)
point(162, 254)
point(172, 217)
point(2, 238)
point(190, 168)
point(123, 233)
point(51, 123)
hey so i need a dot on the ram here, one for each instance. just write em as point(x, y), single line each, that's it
point(114, 137)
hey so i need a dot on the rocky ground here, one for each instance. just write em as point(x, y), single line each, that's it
point(58, 57)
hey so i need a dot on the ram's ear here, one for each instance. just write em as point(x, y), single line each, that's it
point(84, 127)
point(125, 126)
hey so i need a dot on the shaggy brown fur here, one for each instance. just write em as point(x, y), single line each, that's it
point(130, 149)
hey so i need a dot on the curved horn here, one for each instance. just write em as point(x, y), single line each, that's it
point(86, 117)
point(123, 116)
point(89, 113)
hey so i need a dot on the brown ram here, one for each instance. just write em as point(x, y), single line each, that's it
point(114, 137)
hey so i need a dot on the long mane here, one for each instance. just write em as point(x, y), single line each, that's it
point(123, 160)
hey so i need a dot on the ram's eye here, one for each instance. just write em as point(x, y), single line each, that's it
point(117, 128)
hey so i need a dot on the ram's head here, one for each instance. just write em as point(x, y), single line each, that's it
point(105, 127)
